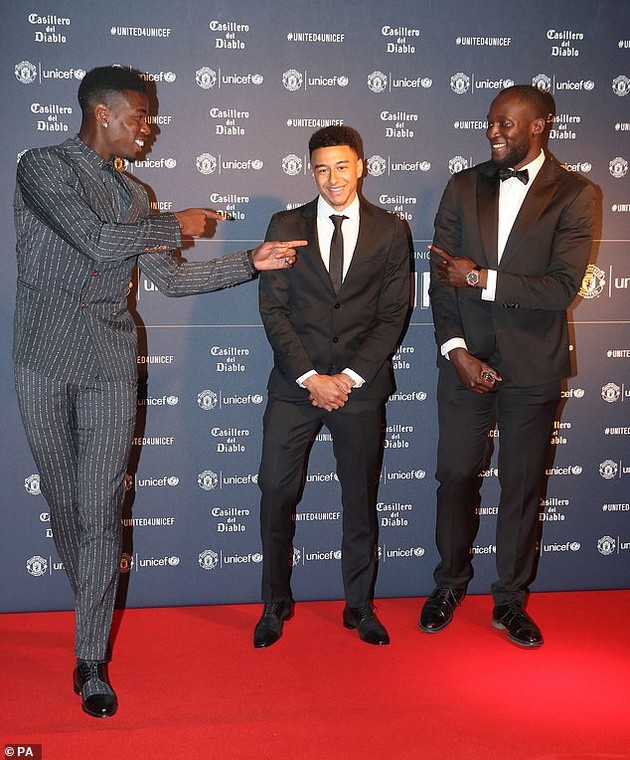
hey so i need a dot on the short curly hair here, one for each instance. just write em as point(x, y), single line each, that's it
point(328, 137)
point(99, 85)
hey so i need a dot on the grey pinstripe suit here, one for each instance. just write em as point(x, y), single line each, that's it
point(75, 348)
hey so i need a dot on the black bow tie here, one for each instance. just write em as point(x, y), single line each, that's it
point(522, 174)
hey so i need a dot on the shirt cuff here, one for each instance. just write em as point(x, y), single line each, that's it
point(357, 379)
point(451, 344)
point(305, 376)
point(489, 293)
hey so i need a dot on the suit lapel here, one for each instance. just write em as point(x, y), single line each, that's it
point(311, 255)
point(536, 200)
point(488, 216)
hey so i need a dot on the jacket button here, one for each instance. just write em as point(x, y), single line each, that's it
point(337, 305)
point(335, 340)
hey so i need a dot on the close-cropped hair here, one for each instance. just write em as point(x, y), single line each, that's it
point(103, 82)
point(329, 137)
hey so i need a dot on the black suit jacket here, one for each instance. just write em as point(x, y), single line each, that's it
point(539, 275)
point(310, 327)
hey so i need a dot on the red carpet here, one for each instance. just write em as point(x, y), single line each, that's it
point(191, 685)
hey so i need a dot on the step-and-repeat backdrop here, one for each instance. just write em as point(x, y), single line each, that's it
point(241, 86)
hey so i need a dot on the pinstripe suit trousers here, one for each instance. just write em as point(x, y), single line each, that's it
point(80, 437)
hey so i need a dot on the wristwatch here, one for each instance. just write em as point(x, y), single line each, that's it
point(472, 278)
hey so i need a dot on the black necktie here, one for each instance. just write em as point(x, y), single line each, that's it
point(522, 174)
point(335, 263)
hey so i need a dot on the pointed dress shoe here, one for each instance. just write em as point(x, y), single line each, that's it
point(92, 683)
point(370, 628)
point(269, 628)
point(438, 609)
point(521, 629)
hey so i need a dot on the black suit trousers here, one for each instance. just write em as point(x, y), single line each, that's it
point(357, 431)
point(525, 418)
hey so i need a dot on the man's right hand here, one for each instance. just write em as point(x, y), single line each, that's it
point(473, 374)
point(328, 392)
point(192, 221)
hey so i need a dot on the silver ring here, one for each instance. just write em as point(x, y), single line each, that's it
point(487, 376)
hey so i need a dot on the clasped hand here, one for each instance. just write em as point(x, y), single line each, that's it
point(329, 392)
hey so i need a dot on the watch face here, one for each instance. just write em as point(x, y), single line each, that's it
point(472, 278)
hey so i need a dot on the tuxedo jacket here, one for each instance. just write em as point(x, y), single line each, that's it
point(310, 327)
point(540, 273)
point(76, 252)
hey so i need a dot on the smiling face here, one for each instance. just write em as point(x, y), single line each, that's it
point(127, 128)
point(514, 131)
point(336, 171)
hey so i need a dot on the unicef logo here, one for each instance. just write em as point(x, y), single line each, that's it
point(129, 482)
point(25, 72)
point(257, 398)
point(606, 545)
point(207, 400)
point(376, 166)
point(173, 561)
point(457, 164)
point(542, 82)
point(460, 83)
point(611, 392)
point(208, 480)
point(292, 165)
point(170, 163)
point(618, 167)
point(593, 282)
point(418, 552)
point(172, 400)
point(257, 557)
point(257, 164)
point(377, 81)
point(342, 81)
point(206, 78)
point(589, 84)
point(170, 76)
point(126, 563)
point(296, 557)
point(621, 85)
point(206, 163)
point(32, 485)
point(292, 80)
point(608, 469)
point(257, 79)
point(172, 480)
point(208, 559)
point(37, 566)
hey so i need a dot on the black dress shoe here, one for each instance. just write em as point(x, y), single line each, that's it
point(371, 630)
point(92, 683)
point(269, 628)
point(438, 609)
point(520, 628)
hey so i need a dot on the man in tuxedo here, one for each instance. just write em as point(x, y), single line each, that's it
point(512, 240)
point(333, 321)
point(82, 226)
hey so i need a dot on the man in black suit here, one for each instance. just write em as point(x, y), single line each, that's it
point(512, 240)
point(333, 322)
point(82, 227)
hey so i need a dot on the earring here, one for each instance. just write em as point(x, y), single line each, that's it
point(105, 124)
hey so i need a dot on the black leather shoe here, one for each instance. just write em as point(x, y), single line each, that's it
point(370, 628)
point(520, 628)
point(269, 628)
point(438, 609)
point(92, 683)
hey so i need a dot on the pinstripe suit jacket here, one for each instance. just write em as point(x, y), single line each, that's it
point(75, 261)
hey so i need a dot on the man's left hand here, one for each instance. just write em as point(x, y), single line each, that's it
point(276, 254)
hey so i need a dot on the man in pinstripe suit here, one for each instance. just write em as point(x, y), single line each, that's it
point(81, 229)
